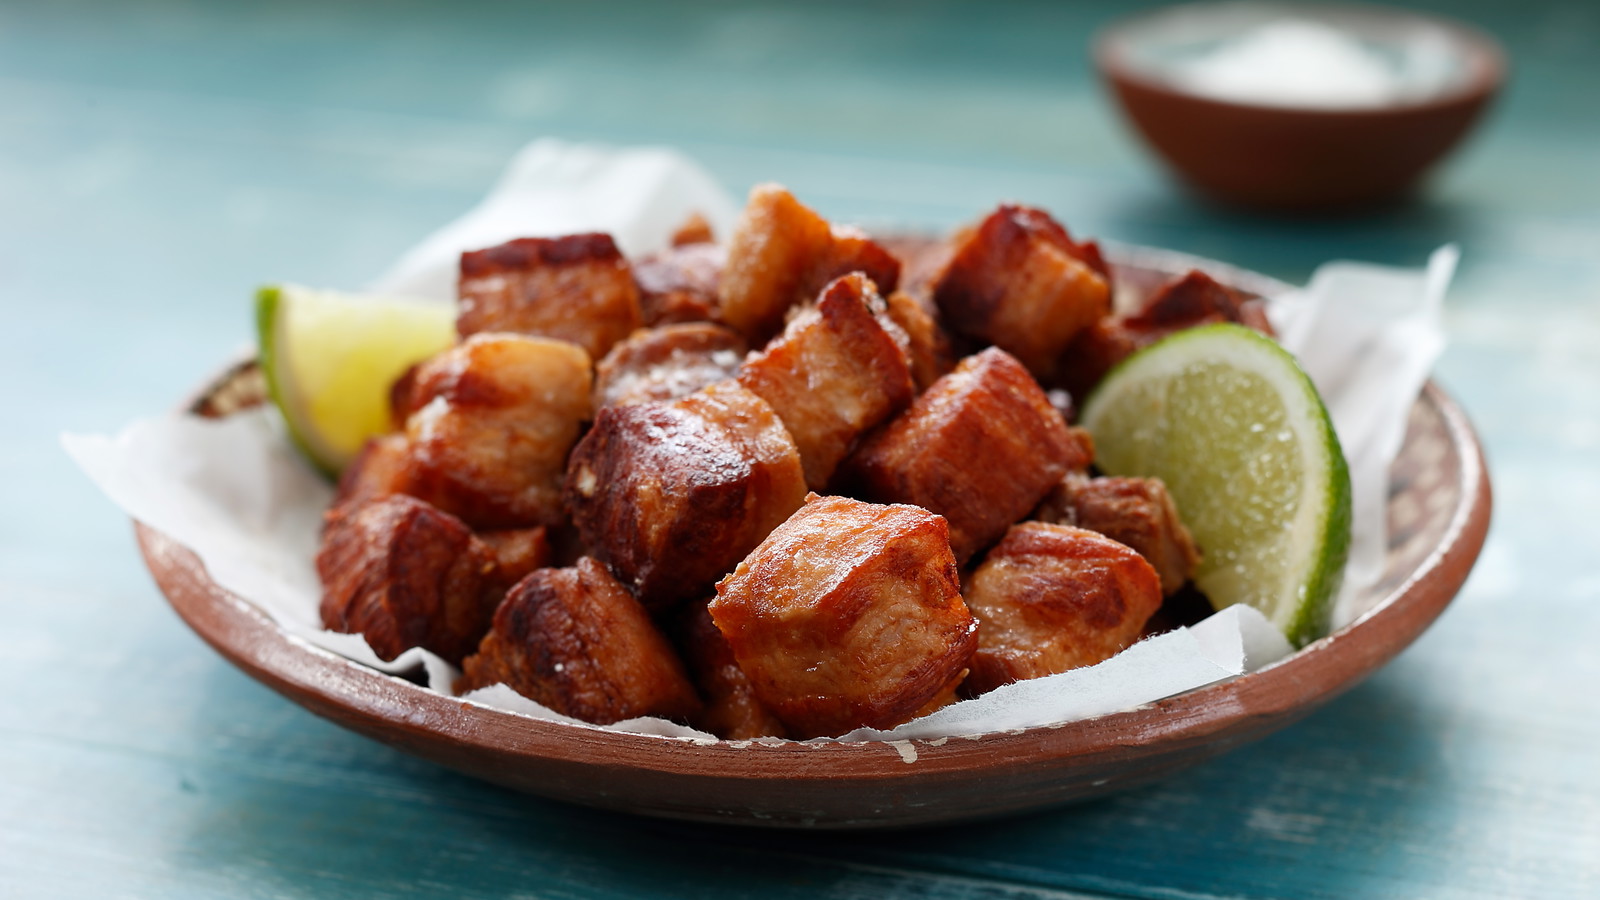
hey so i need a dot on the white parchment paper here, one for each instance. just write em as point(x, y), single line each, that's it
point(236, 493)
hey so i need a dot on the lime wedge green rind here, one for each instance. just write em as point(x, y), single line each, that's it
point(1237, 431)
point(268, 300)
point(329, 360)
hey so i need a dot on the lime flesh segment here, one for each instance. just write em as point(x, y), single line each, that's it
point(330, 359)
point(1234, 427)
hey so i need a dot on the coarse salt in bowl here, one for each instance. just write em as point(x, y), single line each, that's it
point(1299, 107)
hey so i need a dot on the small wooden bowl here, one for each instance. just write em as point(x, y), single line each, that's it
point(1438, 516)
point(1294, 159)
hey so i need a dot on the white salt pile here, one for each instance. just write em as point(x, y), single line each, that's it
point(1312, 64)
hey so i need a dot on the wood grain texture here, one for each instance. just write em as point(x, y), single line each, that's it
point(193, 151)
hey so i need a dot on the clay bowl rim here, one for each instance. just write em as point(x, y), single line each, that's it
point(1480, 53)
point(397, 711)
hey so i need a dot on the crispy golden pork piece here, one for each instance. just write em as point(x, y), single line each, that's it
point(680, 284)
point(834, 373)
point(1019, 281)
point(927, 346)
point(667, 363)
point(732, 710)
point(851, 250)
point(693, 230)
point(576, 641)
point(1138, 512)
point(1051, 598)
point(848, 615)
point(1187, 301)
point(519, 551)
point(383, 470)
point(576, 288)
point(672, 494)
point(1195, 298)
point(980, 447)
point(405, 574)
point(495, 418)
point(782, 253)
point(774, 247)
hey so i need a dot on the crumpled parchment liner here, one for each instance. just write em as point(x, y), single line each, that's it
point(236, 493)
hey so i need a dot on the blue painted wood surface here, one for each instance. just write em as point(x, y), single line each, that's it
point(159, 160)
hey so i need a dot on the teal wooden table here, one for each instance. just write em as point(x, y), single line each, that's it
point(159, 160)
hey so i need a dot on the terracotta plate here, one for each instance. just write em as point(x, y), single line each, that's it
point(1438, 516)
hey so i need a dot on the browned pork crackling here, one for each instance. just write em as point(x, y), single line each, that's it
point(1053, 597)
point(670, 495)
point(667, 363)
point(680, 284)
point(762, 487)
point(405, 574)
point(1138, 512)
point(1189, 301)
point(848, 615)
point(833, 373)
point(1019, 282)
point(782, 253)
point(576, 288)
point(577, 642)
point(980, 447)
point(495, 417)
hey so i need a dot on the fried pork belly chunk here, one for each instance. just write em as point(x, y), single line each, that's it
point(774, 247)
point(1018, 281)
point(405, 574)
point(1191, 299)
point(672, 494)
point(783, 253)
point(927, 346)
point(667, 363)
point(495, 418)
point(851, 250)
point(680, 284)
point(848, 615)
point(576, 288)
point(383, 469)
point(576, 641)
point(693, 230)
point(834, 373)
point(980, 447)
point(1188, 301)
point(1138, 512)
point(519, 551)
point(732, 711)
point(1051, 598)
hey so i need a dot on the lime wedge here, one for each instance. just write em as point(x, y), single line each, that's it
point(1233, 426)
point(330, 359)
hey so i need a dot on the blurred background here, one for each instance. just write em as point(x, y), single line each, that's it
point(177, 154)
point(160, 160)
